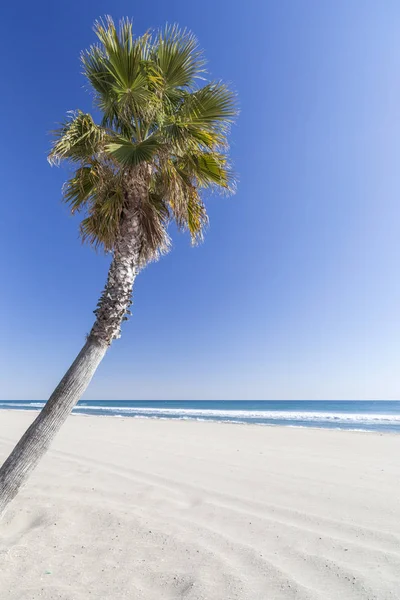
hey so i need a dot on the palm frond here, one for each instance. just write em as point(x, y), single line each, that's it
point(129, 154)
point(203, 118)
point(178, 57)
point(97, 191)
point(116, 71)
point(94, 62)
point(79, 189)
point(209, 169)
point(183, 198)
point(100, 228)
point(211, 107)
point(77, 139)
point(154, 219)
point(122, 54)
point(197, 218)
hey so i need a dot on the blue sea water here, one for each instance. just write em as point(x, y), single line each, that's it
point(383, 416)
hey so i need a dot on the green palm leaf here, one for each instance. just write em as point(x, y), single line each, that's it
point(212, 106)
point(117, 72)
point(210, 168)
point(203, 118)
point(178, 57)
point(80, 188)
point(197, 218)
point(129, 154)
point(77, 139)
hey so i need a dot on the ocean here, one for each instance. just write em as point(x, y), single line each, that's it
point(374, 415)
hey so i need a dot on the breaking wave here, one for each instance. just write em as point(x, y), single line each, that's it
point(388, 420)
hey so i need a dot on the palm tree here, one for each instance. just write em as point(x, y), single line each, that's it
point(161, 140)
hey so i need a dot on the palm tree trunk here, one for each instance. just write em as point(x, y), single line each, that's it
point(111, 311)
point(36, 440)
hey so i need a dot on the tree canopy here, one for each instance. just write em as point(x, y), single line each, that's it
point(158, 112)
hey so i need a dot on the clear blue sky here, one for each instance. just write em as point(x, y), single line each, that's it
point(296, 291)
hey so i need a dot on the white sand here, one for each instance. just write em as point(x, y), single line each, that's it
point(143, 509)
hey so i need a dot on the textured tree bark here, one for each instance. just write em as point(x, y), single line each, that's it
point(111, 310)
point(36, 440)
point(116, 298)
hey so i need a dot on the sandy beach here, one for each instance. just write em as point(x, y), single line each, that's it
point(154, 510)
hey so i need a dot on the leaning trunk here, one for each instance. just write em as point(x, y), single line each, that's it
point(111, 310)
point(38, 437)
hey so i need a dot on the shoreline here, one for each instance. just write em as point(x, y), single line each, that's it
point(215, 421)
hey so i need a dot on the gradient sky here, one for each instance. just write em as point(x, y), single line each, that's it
point(295, 293)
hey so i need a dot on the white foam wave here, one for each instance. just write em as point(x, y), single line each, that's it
point(22, 405)
point(272, 416)
point(247, 414)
